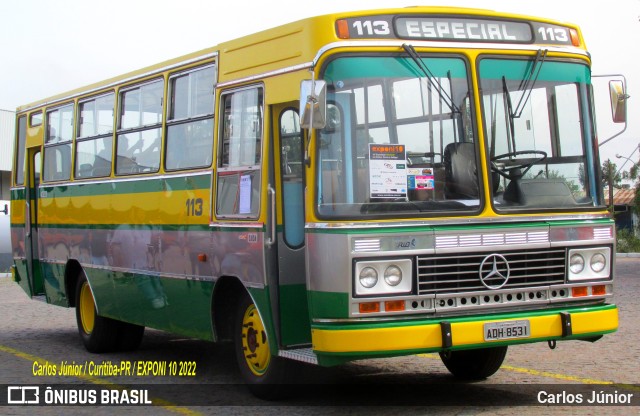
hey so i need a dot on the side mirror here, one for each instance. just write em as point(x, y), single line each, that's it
point(618, 101)
point(313, 104)
point(5, 211)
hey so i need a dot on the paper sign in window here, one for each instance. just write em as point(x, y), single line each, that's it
point(245, 194)
point(387, 171)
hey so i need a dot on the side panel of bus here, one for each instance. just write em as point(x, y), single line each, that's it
point(137, 247)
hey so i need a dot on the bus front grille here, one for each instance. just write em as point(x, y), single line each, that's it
point(459, 273)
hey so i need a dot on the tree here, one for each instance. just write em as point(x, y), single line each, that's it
point(634, 174)
point(610, 178)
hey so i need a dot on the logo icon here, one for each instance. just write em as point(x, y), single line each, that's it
point(23, 395)
point(494, 271)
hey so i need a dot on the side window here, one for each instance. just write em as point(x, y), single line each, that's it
point(21, 143)
point(95, 140)
point(291, 166)
point(569, 121)
point(238, 191)
point(140, 120)
point(35, 119)
point(190, 121)
point(57, 144)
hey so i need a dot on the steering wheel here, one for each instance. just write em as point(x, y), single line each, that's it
point(519, 170)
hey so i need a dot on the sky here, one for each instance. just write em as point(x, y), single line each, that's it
point(52, 46)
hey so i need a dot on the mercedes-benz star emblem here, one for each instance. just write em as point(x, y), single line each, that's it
point(494, 271)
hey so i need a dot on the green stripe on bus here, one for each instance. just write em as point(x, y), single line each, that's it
point(384, 229)
point(18, 194)
point(137, 186)
point(155, 226)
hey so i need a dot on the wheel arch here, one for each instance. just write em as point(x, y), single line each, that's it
point(71, 272)
point(227, 293)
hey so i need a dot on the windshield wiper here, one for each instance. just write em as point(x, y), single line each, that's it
point(430, 77)
point(526, 85)
point(507, 97)
point(529, 83)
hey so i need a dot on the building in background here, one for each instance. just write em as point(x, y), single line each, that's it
point(623, 203)
point(7, 126)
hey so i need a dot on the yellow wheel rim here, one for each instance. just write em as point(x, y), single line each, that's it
point(87, 309)
point(254, 342)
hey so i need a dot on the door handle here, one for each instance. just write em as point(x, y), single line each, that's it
point(27, 216)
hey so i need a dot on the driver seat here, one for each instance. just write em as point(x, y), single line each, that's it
point(461, 173)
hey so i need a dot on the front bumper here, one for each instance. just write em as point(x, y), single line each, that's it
point(336, 342)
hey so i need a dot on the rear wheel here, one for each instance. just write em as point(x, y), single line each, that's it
point(475, 364)
point(129, 336)
point(264, 374)
point(99, 334)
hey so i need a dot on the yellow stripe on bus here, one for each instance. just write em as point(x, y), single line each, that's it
point(129, 208)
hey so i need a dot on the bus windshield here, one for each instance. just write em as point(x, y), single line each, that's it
point(398, 129)
point(540, 140)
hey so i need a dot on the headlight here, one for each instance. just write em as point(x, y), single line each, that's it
point(393, 275)
point(383, 277)
point(589, 264)
point(368, 277)
point(576, 264)
point(598, 262)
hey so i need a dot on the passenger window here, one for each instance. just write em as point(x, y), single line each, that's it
point(238, 191)
point(57, 144)
point(93, 158)
point(190, 122)
point(94, 145)
point(142, 106)
point(242, 128)
point(35, 119)
point(20, 150)
point(60, 125)
point(57, 162)
point(138, 138)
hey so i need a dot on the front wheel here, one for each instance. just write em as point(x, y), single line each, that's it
point(265, 374)
point(475, 364)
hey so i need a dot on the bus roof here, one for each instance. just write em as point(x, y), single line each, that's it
point(298, 43)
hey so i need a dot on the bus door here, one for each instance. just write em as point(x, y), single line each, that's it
point(288, 183)
point(32, 181)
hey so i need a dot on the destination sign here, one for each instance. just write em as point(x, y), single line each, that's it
point(454, 29)
point(435, 28)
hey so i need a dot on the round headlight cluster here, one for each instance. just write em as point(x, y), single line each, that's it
point(368, 277)
point(598, 262)
point(393, 275)
point(576, 264)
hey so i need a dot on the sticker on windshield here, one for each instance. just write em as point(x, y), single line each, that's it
point(421, 179)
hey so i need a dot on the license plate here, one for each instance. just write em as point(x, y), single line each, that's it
point(495, 331)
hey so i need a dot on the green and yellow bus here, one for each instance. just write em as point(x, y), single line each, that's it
point(349, 186)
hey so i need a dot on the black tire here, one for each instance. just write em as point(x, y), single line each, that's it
point(268, 377)
point(129, 336)
point(99, 334)
point(475, 364)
